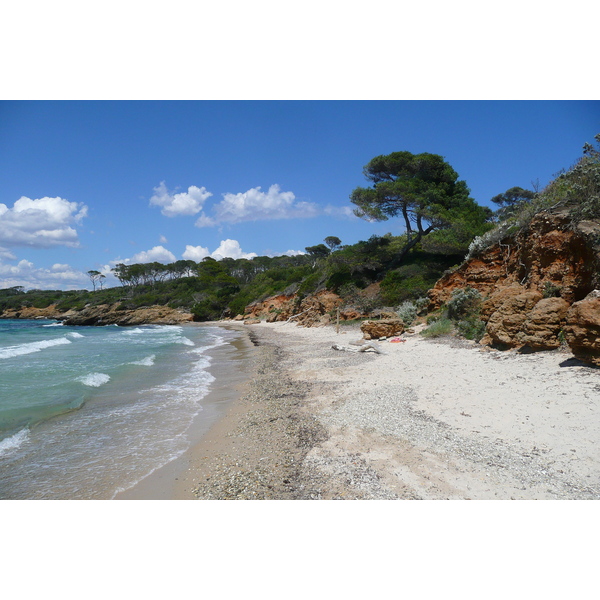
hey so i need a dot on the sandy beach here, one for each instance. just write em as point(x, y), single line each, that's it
point(426, 419)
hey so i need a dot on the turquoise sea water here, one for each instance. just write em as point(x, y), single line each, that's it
point(88, 411)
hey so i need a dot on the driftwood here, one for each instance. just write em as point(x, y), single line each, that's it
point(363, 348)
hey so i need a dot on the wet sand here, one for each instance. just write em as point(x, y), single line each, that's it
point(230, 368)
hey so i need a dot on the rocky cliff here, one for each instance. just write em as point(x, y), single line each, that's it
point(311, 311)
point(538, 286)
point(103, 314)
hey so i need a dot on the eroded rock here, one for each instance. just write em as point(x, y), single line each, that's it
point(542, 326)
point(506, 322)
point(373, 330)
point(107, 314)
point(582, 328)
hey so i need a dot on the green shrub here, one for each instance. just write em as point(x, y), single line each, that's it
point(70, 304)
point(465, 302)
point(421, 304)
point(471, 328)
point(310, 284)
point(442, 326)
point(42, 302)
point(550, 290)
point(407, 311)
point(408, 282)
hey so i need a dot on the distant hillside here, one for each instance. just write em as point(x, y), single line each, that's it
point(210, 289)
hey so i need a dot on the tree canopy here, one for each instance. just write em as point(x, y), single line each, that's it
point(511, 200)
point(95, 277)
point(333, 242)
point(425, 191)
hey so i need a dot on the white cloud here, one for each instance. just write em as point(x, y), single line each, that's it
point(231, 249)
point(339, 211)
point(227, 249)
point(255, 205)
point(196, 253)
point(59, 276)
point(157, 254)
point(7, 254)
point(204, 221)
point(293, 253)
point(184, 203)
point(163, 239)
point(41, 223)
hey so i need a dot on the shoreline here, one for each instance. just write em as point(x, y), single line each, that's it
point(427, 420)
point(230, 368)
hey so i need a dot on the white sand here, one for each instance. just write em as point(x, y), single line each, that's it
point(436, 421)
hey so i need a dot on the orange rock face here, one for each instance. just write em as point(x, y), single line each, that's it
point(506, 322)
point(543, 324)
point(550, 251)
point(552, 255)
point(582, 330)
point(311, 310)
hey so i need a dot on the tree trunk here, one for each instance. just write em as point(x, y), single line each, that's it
point(412, 243)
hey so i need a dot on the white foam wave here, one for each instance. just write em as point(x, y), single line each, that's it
point(217, 341)
point(184, 340)
point(145, 362)
point(14, 441)
point(95, 379)
point(74, 334)
point(57, 324)
point(166, 327)
point(133, 331)
point(12, 351)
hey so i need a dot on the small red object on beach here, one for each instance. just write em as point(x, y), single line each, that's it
point(396, 340)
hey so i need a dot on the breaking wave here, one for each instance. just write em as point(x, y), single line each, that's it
point(19, 350)
point(94, 379)
point(145, 362)
point(14, 441)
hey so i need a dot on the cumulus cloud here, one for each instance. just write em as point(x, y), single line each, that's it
point(157, 254)
point(184, 203)
point(256, 205)
point(227, 249)
point(196, 253)
point(59, 276)
point(231, 249)
point(41, 223)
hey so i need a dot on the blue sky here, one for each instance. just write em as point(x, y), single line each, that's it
point(87, 184)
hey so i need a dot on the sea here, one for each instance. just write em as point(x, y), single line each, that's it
point(88, 412)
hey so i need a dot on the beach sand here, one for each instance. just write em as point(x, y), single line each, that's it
point(230, 365)
point(445, 419)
